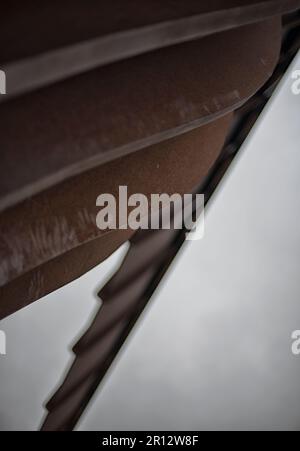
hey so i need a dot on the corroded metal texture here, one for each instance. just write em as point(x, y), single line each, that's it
point(68, 128)
point(156, 123)
point(97, 33)
point(52, 238)
point(125, 296)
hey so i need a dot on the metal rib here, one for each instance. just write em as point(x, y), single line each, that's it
point(40, 70)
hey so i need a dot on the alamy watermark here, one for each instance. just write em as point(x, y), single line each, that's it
point(296, 83)
point(2, 82)
point(158, 211)
point(2, 343)
point(296, 342)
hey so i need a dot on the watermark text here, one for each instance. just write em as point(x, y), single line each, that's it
point(2, 82)
point(296, 83)
point(157, 211)
point(2, 343)
point(296, 342)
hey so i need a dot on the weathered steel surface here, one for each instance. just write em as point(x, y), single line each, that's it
point(52, 238)
point(92, 33)
point(65, 144)
point(68, 128)
point(151, 252)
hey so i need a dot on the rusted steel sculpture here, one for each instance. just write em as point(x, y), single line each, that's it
point(166, 120)
point(105, 32)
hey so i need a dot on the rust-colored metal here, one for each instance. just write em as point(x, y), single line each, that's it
point(96, 33)
point(74, 126)
point(127, 293)
point(53, 238)
point(62, 131)
point(155, 122)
